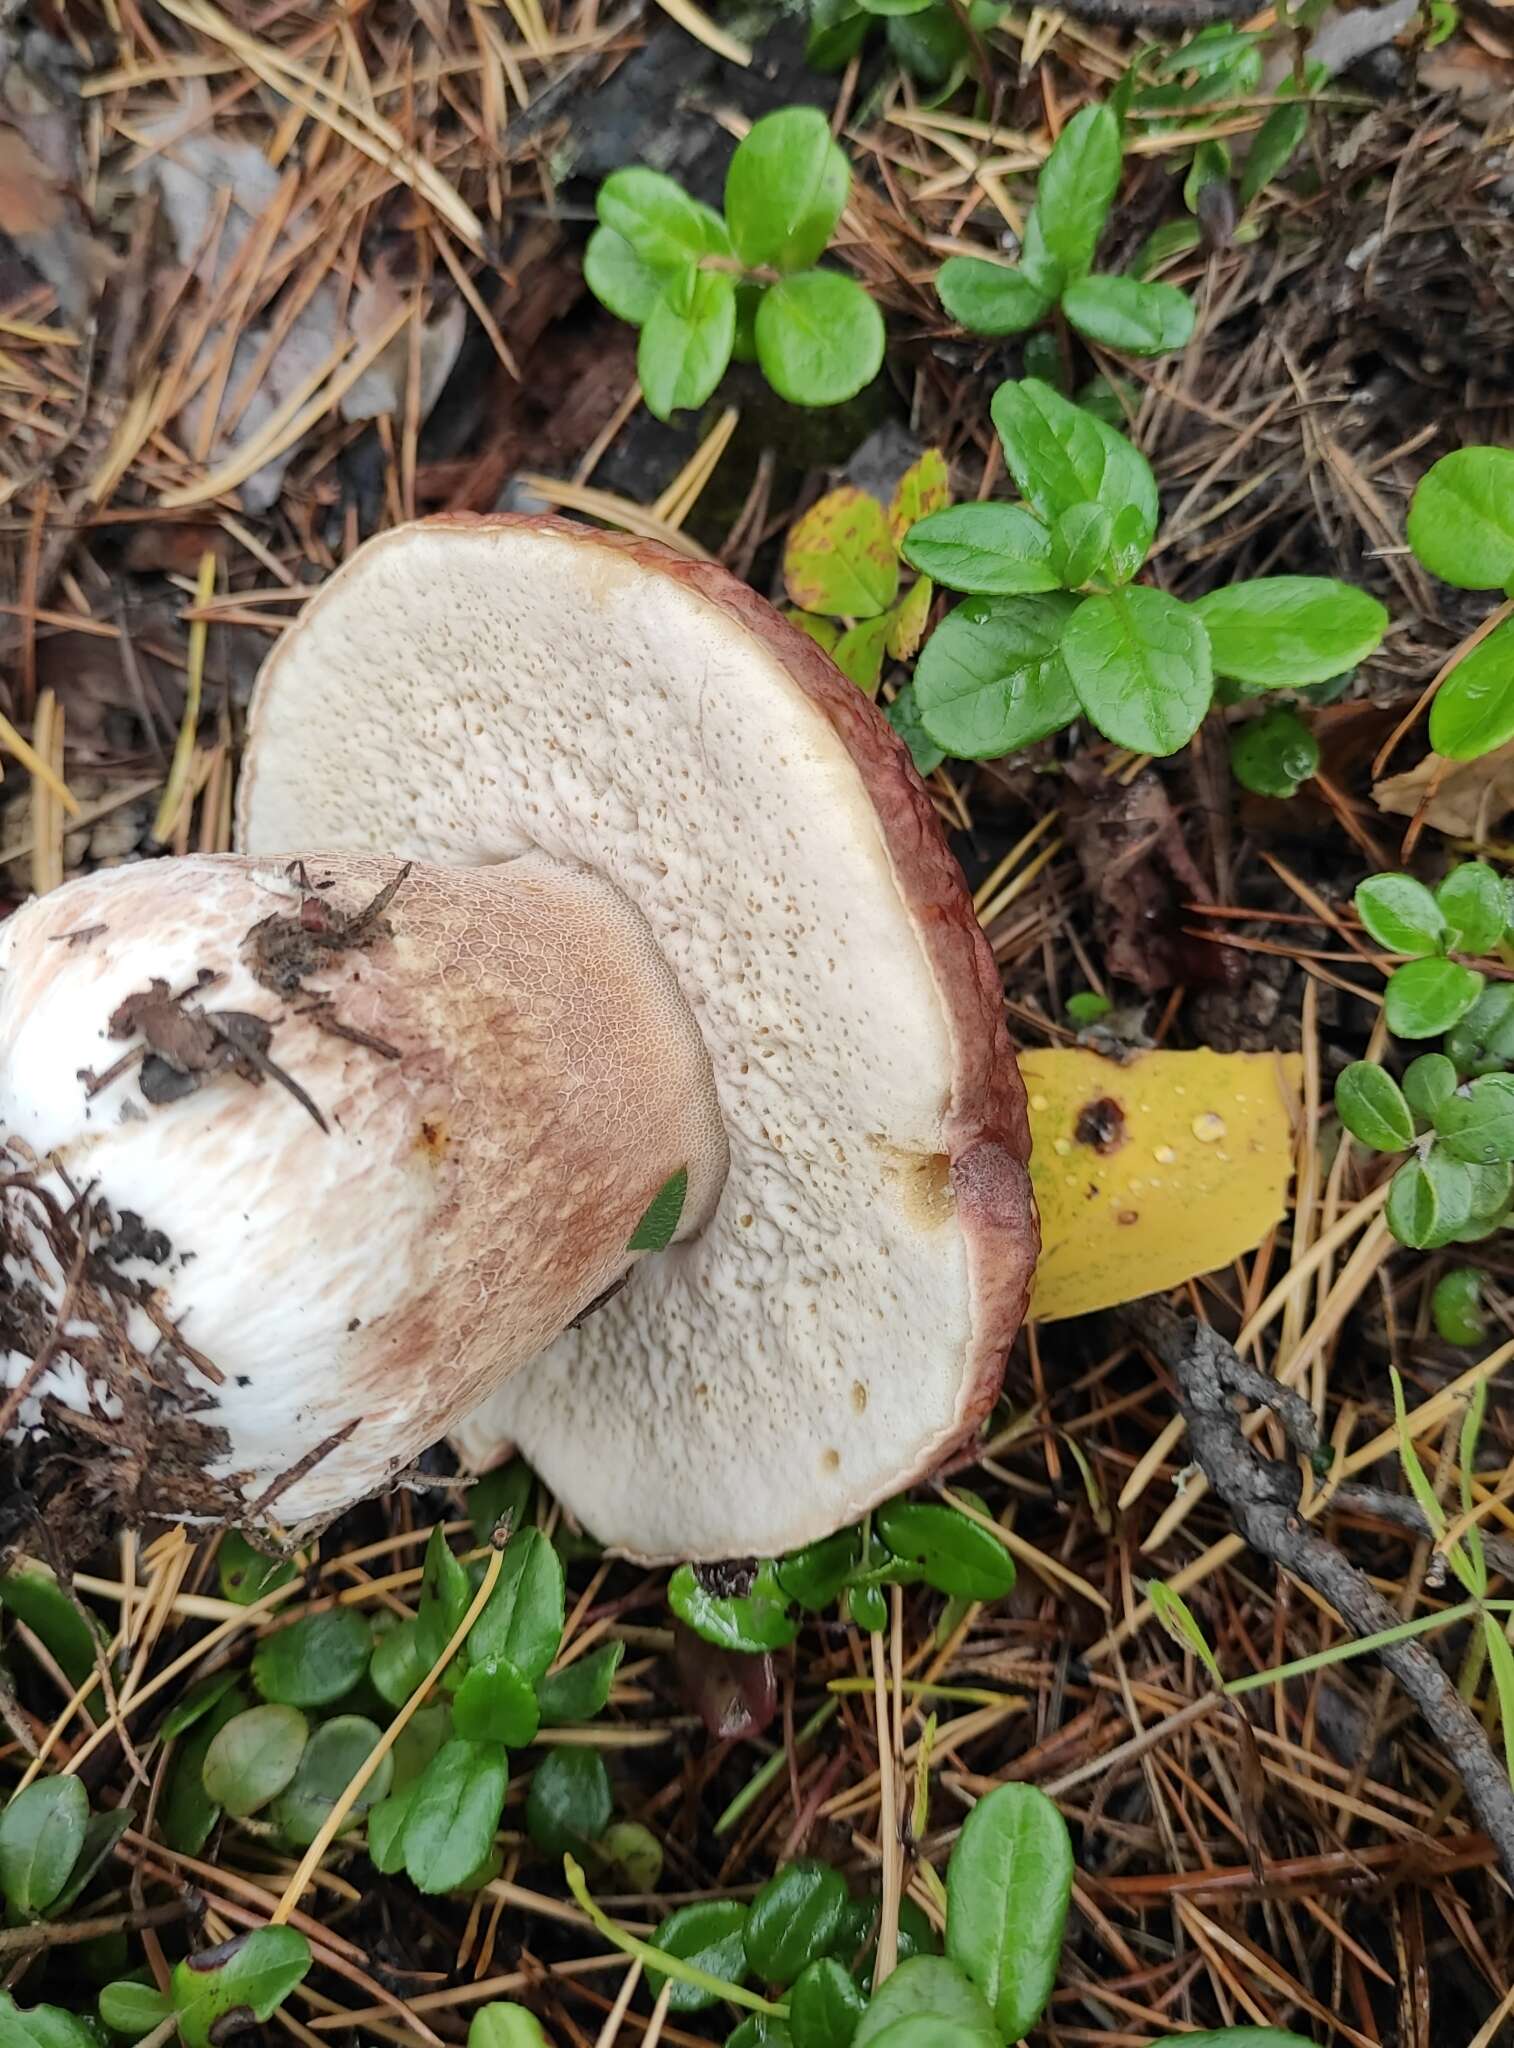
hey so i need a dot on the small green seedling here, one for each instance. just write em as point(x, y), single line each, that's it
point(704, 287)
point(1461, 526)
point(1274, 755)
point(841, 571)
point(1056, 628)
point(1073, 197)
point(929, 39)
point(1453, 1116)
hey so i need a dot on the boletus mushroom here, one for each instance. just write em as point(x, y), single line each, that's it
point(572, 878)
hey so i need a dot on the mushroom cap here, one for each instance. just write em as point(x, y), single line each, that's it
point(467, 690)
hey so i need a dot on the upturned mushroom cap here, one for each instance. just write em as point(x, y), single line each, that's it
point(470, 692)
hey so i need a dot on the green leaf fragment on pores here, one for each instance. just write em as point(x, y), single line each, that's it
point(660, 1219)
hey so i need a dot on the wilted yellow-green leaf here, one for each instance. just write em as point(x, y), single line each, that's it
point(924, 487)
point(839, 557)
point(1150, 1171)
point(859, 652)
point(906, 622)
point(824, 632)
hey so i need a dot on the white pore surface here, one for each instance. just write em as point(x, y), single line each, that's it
point(461, 695)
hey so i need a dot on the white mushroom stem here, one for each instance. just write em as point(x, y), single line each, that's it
point(507, 1071)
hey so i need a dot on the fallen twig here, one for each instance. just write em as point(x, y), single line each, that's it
point(1262, 1495)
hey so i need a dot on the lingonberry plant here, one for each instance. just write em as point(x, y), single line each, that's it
point(929, 39)
point(1461, 526)
point(1073, 196)
point(1453, 1116)
point(704, 287)
point(1056, 628)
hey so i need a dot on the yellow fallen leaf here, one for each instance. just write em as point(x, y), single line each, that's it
point(1150, 1171)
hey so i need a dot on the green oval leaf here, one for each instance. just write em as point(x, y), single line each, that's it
point(568, 1804)
point(1461, 518)
point(955, 1554)
point(506, 2026)
point(1287, 631)
point(1139, 663)
point(990, 298)
point(42, 2026)
point(1456, 1306)
point(992, 679)
point(1274, 148)
point(58, 1619)
point(41, 1835)
point(1475, 906)
point(254, 1757)
point(1429, 1200)
point(187, 1814)
point(815, 1575)
point(196, 1704)
point(523, 1618)
point(131, 2009)
point(1482, 1042)
point(495, 1703)
point(1427, 1082)
point(397, 1666)
point(819, 338)
point(501, 1496)
point(1372, 1107)
point(315, 1660)
point(102, 1831)
point(1080, 540)
point(662, 225)
point(839, 556)
point(904, 716)
point(1477, 1126)
point(1007, 1889)
point(709, 1936)
point(686, 340)
point(751, 1622)
point(930, 1988)
point(581, 1690)
point(334, 1755)
point(825, 2006)
point(1400, 914)
point(986, 550)
point(454, 1810)
point(859, 653)
point(1060, 455)
point(1130, 314)
point(659, 1223)
point(794, 1920)
point(1274, 754)
point(619, 278)
point(1426, 997)
point(785, 189)
point(1473, 710)
point(247, 1574)
point(255, 1972)
point(445, 1595)
point(1077, 187)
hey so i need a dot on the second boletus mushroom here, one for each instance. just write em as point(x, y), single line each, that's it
point(573, 880)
